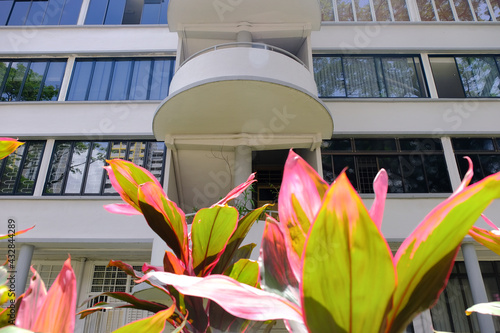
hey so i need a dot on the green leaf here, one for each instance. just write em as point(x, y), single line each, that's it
point(426, 257)
point(210, 233)
point(244, 226)
point(245, 271)
point(492, 308)
point(348, 274)
point(155, 323)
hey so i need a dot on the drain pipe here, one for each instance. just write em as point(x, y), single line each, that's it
point(244, 36)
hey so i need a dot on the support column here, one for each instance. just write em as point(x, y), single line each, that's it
point(423, 322)
point(23, 265)
point(477, 285)
point(243, 169)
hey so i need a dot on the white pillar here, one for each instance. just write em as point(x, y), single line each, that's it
point(423, 322)
point(243, 169)
point(23, 265)
point(477, 286)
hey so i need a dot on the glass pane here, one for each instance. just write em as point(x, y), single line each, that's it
point(71, 12)
point(140, 80)
point(155, 159)
point(3, 71)
point(19, 12)
point(327, 10)
point(96, 12)
point(444, 10)
point(367, 168)
point(5, 7)
point(133, 12)
point(14, 81)
point(440, 316)
point(438, 179)
point(490, 164)
point(121, 80)
point(53, 80)
point(58, 166)
point(136, 153)
point(329, 76)
point(496, 8)
point(9, 175)
point(77, 168)
point(162, 75)
point(421, 144)
point(391, 165)
point(337, 144)
point(114, 15)
point(327, 163)
point(118, 150)
point(100, 81)
point(426, 10)
point(480, 76)
point(400, 10)
point(53, 14)
point(80, 81)
point(400, 77)
point(463, 166)
point(463, 10)
point(473, 144)
point(95, 171)
point(413, 173)
point(344, 10)
point(163, 12)
point(362, 78)
point(382, 10)
point(151, 12)
point(446, 77)
point(375, 144)
point(36, 13)
point(341, 162)
point(363, 12)
point(481, 10)
point(30, 168)
point(33, 81)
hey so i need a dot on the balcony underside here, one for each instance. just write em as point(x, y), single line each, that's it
point(244, 106)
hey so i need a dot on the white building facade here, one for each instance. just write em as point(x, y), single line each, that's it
point(203, 93)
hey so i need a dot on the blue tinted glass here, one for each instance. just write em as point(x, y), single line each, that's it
point(33, 81)
point(52, 83)
point(71, 12)
point(480, 76)
point(150, 13)
point(96, 12)
point(5, 7)
point(100, 81)
point(162, 75)
point(53, 13)
point(19, 13)
point(80, 81)
point(14, 81)
point(163, 12)
point(120, 82)
point(140, 80)
point(114, 15)
point(36, 13)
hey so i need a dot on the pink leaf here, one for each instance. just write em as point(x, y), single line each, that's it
point(8, 146)
point(380, 184)
point(235, 192)
point(238, 299)
point(124, 209)
point(32, 302)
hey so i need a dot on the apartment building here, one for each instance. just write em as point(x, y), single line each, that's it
point(204, 92)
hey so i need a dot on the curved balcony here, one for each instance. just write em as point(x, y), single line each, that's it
point(242, 88)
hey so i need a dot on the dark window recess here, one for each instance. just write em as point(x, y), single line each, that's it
point(470, 76)
point(413, 165)
point(31, 80)
point(127, 12)
point(121, 79)
point(369, 76)
point(76, 167)
point(19, 171)
point(39, 12)
point(484, 153)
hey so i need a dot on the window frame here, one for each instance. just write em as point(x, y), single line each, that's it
point(28, 12)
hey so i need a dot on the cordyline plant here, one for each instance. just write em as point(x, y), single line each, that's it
point(212, 247)
point(326, 265)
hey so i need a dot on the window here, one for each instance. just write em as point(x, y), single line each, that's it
point(484, 153)
point(466, 76)
point(364, 10)
point(368, 76)
point(413, 165)
point(121, 79)
point(30, 80)
point(76, 167)
point(19, 171)
point(458, 10)
point(127, 12)
point(39, 12)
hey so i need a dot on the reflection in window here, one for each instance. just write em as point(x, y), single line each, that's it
point(121, 79)
point(369, 76)
point(484, 153)
point(457, 10)
point(413, 165)
point(471, 76)
point(19, 171)
point(127, 12)
point(36, 80)
point(39, 12)
point(361, 10)
point(76, 167)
